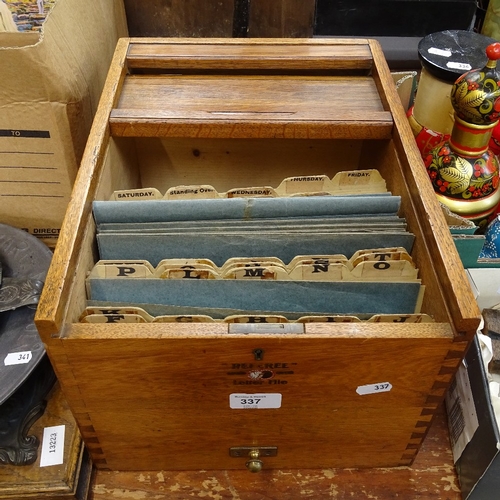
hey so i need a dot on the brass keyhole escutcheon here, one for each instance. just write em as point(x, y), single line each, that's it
point(254, 463)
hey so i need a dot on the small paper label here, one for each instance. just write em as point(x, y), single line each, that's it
point(439, 52)
point(362, 390)
point(18, 358)
point(254, 401)
point(457, 65)
point(461, 410)
point(52, 446)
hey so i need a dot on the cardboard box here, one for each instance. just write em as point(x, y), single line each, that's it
point(474, 427)
point(51, 84)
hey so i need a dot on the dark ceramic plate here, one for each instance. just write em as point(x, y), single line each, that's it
point(22, 256)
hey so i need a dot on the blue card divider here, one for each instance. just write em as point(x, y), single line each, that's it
point(243, 208)
point(219, 247)
point(343, 297)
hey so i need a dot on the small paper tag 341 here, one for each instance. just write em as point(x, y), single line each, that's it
point(52, 446)
point(362, 390)
point(18, 358)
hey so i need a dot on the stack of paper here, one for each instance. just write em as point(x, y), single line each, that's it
point(296, 255)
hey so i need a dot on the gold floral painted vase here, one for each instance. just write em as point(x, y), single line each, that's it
point(444, 56)
point(464, 171)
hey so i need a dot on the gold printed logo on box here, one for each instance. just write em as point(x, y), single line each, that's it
point(260, 373)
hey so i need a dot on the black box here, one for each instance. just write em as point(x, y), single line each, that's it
point(392, 17)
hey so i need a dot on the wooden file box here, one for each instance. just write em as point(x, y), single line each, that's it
point(238, 113)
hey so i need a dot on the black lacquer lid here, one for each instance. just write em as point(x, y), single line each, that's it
point(449, 54)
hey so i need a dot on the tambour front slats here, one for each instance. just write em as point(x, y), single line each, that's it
point(231, 89)
point(231, 54)
point(250, 106)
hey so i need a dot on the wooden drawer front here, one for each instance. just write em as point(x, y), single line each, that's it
point(174, 395)
point(328, 437)
point(198, 374)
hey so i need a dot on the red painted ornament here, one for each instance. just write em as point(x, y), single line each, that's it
point(463, 170)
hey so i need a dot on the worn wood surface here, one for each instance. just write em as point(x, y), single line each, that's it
point(180, 18)
point(221, 18)
point(431, 477)
point(281, 18)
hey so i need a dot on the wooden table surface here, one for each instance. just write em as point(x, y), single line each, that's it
point(432, 476)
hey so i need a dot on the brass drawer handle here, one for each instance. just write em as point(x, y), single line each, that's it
point(254, 454)
point(255, 463)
